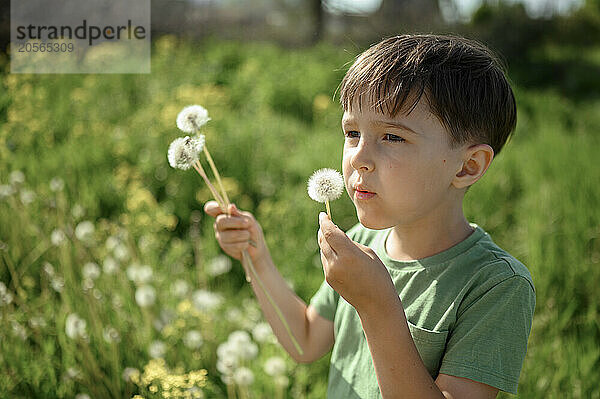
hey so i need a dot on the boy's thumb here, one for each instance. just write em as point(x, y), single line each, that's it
point(233, 211)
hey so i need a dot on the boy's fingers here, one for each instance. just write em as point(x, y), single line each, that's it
point(335, 237)
point(225, 222)
point(326, 249)
point(233, 236)
point(212, 208)
point(369, 251)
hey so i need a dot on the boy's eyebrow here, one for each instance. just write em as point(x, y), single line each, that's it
point(397, 125)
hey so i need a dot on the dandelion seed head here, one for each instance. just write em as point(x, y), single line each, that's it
point(139, 274)
point(57, 237)
point(275, 366)
point(325, 185)
point(6, 297)
point(75, 327)
point(184, 151)
point(90, 271)
point(262, 332)
point(111, 335)
point(157, 349)
point(219, 265)
point(27, 196)
point(281, 381)
point(84, 231)
point(57, 283)
point(110, 266)
point(145, 296)
point(205, 300)
point(193, 339)
point(243, 376)
point(129, 372)
point(6, 190)
point(16, 177)
point(77, 211)
point(180, 288)
point(192, 118)
point(57, 184)
point(18, 330)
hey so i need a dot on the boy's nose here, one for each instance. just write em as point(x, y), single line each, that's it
point(362, 158)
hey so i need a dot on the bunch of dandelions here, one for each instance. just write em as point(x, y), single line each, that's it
point(325, 185)
point(184, 153)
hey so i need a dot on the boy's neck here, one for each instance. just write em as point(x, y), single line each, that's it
point(427, 237)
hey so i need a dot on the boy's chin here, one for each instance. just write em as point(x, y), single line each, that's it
point(372, 223)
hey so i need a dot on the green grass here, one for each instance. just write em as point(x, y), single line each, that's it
point(106, 136)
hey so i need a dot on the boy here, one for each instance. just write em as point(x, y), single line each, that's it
point(416, 302)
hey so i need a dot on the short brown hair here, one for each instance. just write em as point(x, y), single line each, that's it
point(463, 82)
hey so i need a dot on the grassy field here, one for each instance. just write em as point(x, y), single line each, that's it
point(107, 263)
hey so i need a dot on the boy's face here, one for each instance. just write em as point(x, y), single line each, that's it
point(399, 171)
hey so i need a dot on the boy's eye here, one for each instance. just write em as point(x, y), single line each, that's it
point(393, 137)
point(352, 134)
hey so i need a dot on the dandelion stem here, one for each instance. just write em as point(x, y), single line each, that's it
point(247, 258)
point(213, 190)
point(217, 176)
point(328, 209)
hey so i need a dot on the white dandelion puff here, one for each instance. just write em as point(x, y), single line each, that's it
point(27, 196)
point(111, 335)
point(57, 184)
point(281, 381)
point(206, 300)
point(180, 288)
point(5, 296)
point(219, 265)
point(84, 231)
point(91, 271)
point(77, 211)
point(16, 177)
point(192, 118)
point(243, 376)
point(145, 295)
point(112, 242)
point(57, 283)
point(262, 332)
point(157, 349)
point(6, 190)
point(129, 373)
point(275, 366)
point(110, 266)
point(193, 339)
point(326, 185)
point(75, 327)
point(184, 151)
point(139, 274)
point(57, 237)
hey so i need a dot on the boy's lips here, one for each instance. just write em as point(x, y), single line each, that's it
point(362, 193)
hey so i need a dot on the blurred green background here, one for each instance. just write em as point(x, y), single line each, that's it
point(106, 260)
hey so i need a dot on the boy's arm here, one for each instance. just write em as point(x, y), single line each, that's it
point(313, 333)
point(359, 276)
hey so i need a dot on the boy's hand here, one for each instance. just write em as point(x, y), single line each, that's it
point(237, 231)
point(353, 270)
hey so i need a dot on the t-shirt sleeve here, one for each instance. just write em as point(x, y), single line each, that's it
point(325, 300)
point(489, 340)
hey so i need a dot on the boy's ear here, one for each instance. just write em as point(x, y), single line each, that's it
point(476, 160)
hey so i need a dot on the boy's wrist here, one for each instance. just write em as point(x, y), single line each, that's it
point(385, 302)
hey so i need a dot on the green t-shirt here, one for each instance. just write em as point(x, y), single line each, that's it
point(469, 310)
